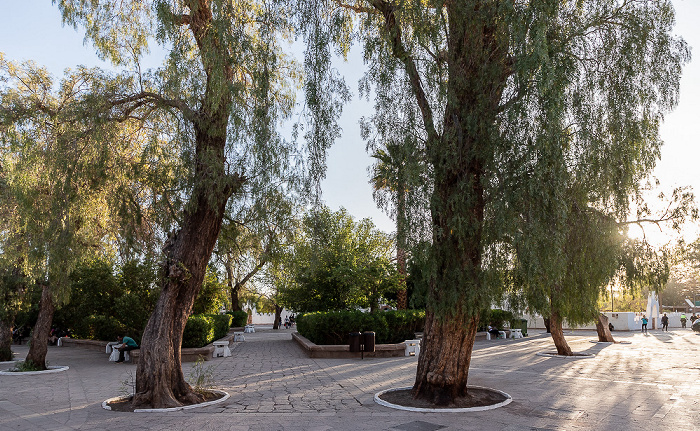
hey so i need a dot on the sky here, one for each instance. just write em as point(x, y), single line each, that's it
point(32, 30)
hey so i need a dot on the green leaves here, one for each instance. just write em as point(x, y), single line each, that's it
point(337, 264)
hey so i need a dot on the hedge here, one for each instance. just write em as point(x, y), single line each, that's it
point(333, 327)
point(240, 318)
point(202, 329)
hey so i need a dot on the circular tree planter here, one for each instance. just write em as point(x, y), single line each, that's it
point(610, 342)
point(400, 398)
point(574, 356)
point(50, 370)
point(223, 397)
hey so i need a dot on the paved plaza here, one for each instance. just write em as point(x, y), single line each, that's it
point(652, 383)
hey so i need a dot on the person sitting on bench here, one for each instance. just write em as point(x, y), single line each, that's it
point(127, 345)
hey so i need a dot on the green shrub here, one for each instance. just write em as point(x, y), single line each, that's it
point(222, 323)
point(102, 328)
point(5, 354)
point(495, 317)
point(239, 318)
point(334, 327)
point(199, 331)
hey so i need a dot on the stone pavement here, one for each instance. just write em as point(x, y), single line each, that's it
point(651, 383)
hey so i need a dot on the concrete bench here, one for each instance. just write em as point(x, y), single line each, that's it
point(221, 349)
point(412, 347)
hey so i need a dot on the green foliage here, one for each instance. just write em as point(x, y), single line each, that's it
point(106, 305)
point(97, 327)
point(5, 354)
point(338, 264)
point(199, 331)
point(333, 327)
point(212, 296)
point(25, 366)
point(202, 329)
point(201, 377)
point(222, 323)
point(495, 317)
point(238, 318)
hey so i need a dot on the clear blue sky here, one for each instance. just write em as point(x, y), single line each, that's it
point(32, 30)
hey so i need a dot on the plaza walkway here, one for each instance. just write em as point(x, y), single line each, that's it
point(651, 383)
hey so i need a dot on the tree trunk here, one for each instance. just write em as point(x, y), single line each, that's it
point(42, 329)
point(235, 289)
point(401, 297)
point(160, 382)
point(601, 326)
point(443, 366)
point(6, 339)
point(278, 317)
point(555, 324)
point(547, 325)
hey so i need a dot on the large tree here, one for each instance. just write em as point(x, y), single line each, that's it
point(224, 86)
point(486, 77)
point(57, 181)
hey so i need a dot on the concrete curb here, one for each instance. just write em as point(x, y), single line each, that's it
point(379, 401)
point(51, 370)
point(171, 409)
point(575, 355)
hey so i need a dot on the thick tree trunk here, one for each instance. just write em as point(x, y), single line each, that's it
point(555, 325)
point(160, 382)
point(6, 339)
point(443, 366)
point(601, 326)
point(41, 331)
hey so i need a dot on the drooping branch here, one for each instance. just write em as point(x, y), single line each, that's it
point(393, 30)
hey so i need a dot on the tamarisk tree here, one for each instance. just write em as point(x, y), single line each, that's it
point(224, 86)
point(502, 87)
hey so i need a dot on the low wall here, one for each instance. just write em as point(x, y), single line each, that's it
point(342, 351)
point(623, 321)
point(188, 354)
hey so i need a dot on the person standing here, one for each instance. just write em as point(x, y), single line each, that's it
point(644, 324)
point(664, 323)
point(683, 320)
point(128, 344)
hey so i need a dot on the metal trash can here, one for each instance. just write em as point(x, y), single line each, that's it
point(354, 341)
point(519, 324)
point(368, 338)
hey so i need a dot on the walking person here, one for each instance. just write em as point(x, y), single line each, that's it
point(683, 320)
point(644, 324)
point(664, 323)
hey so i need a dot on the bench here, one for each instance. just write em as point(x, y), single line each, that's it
point(221, 349)
point(249, 329)
point(412, 347)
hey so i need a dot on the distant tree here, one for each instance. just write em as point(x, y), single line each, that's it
point(60, 179)
point(336, 263)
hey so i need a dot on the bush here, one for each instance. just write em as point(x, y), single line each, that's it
point(5, 354)
point(239, 318)
point(333, 327)
point(199, 331)
point(222, 322)
point(495, 317)
point(98, 327)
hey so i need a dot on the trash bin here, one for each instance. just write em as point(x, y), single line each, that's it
point(354, 341)
point(368, 341)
